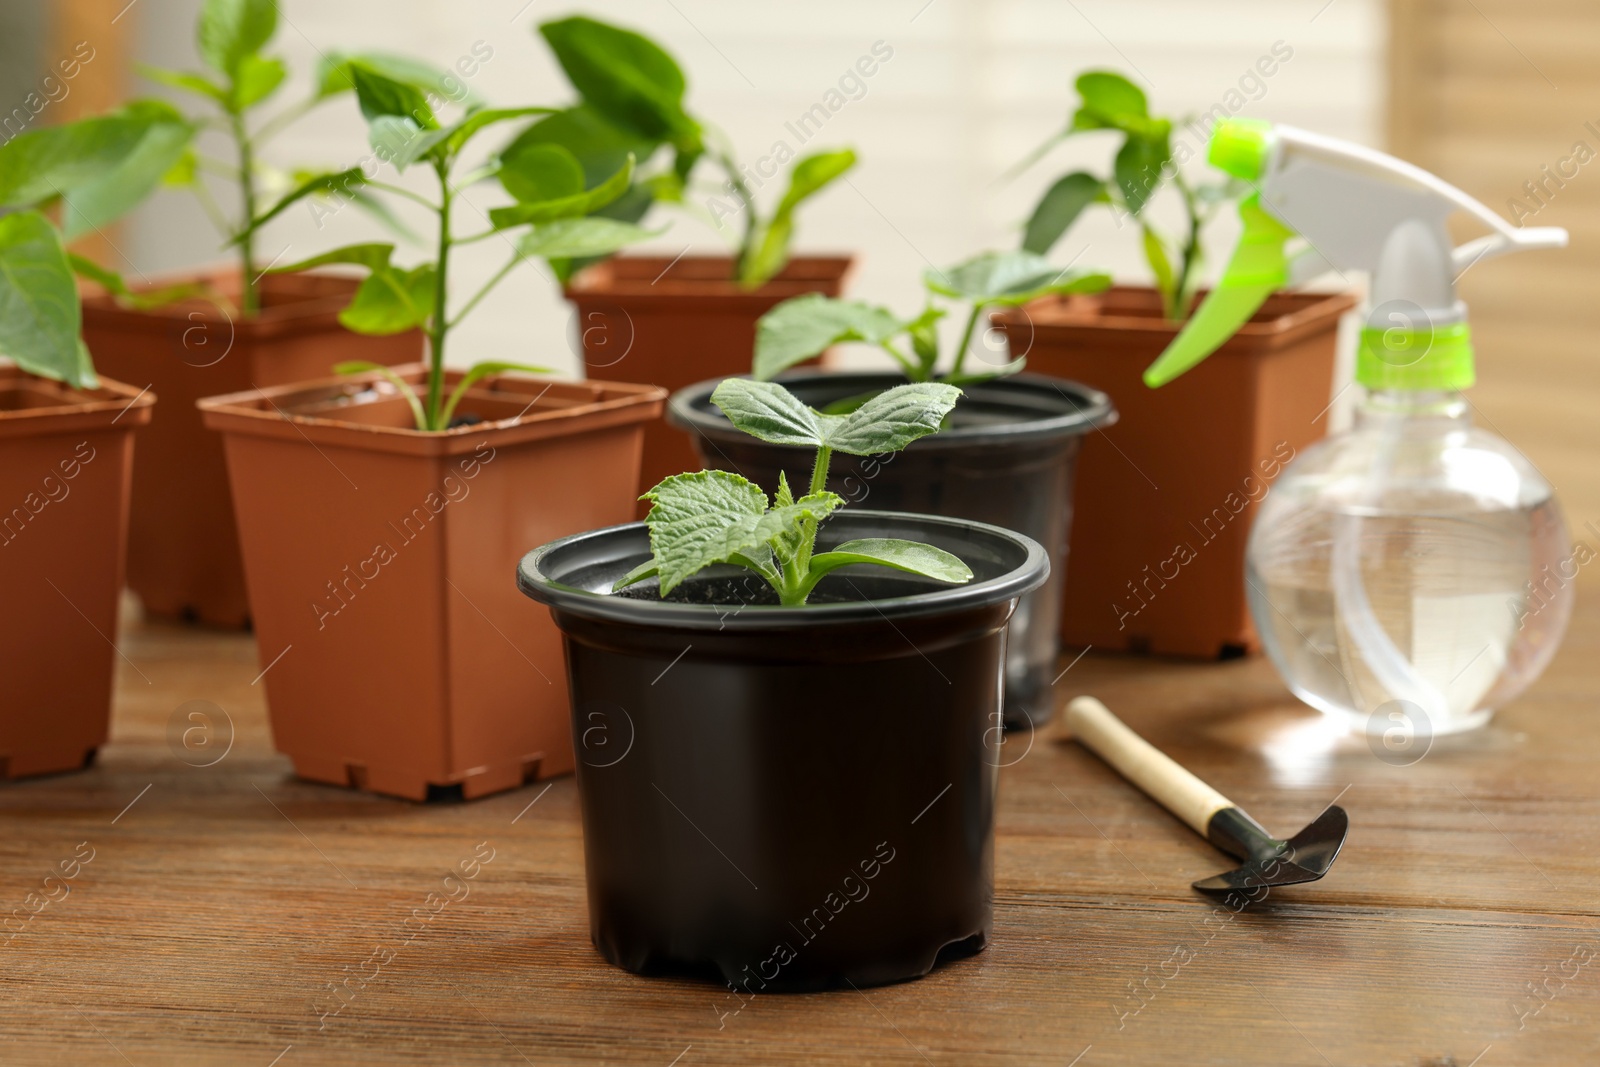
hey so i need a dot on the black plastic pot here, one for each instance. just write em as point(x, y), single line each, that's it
point(1008, 459)
point(788, 798)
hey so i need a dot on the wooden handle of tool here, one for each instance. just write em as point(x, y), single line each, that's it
point(1141, 763)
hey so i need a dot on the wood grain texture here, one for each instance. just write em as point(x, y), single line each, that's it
point(220, 905)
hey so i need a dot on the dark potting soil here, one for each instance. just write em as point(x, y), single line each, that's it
point(730, 589)
point(465, 419)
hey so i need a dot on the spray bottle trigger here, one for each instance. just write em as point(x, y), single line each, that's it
point(1258, 268)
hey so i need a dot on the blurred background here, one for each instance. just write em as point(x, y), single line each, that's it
point(1500, 98)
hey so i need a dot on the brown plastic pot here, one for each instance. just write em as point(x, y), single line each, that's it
point(396, 652)
point(65, 461)
point(1165, 497)
point(183, 547)
point(674, 322)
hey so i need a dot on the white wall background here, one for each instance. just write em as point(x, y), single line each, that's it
point(971, 87)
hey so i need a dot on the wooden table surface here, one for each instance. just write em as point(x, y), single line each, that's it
point(214, 907)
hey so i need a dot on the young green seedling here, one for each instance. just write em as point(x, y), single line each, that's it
point(697, 520)
point(1145, 160)
point(804, 326)
point(232, 36)
point(550, 217)
point(632, 101)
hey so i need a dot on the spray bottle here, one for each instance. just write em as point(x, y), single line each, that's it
point(1412, 574)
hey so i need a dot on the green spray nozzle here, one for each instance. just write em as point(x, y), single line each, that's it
point(1258, 268)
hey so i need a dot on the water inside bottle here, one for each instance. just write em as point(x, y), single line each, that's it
point(1474, 600)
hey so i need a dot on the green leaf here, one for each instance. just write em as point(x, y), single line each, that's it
point(910, 556)
point(184, 170)
point(40, 318)
point(581, 238)
point(373, 256)
point(1112, 99)
point(809, 176)
point(601, 146)
point(109, 280)
point(1010, 278)
point(647, 569)
point(1155, 253)
point(1058, 209)
point(770, 412)
point(536, 172)
point(40, 164)
point(626, 77)
point(342, 182)
point(230, 30)
point(803, 326)
point(475, 374)
point(333, 76)
point(893, 419)
point(119, 188)
point(400, 141)
point(362, 366)
point(1138, 169)
point(696, 520)
point(379, 95)
point(568, 206)
point(467, 128)
point(391, 300)
point(188, 82)
point(258, 77)
point(709, 517)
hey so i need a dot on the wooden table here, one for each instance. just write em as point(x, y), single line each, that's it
point(222, 902)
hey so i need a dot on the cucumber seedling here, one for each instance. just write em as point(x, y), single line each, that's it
point(804, 326)
point(697, 520)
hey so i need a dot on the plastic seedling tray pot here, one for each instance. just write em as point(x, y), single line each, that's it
point(1008, 458)
point(788, 799)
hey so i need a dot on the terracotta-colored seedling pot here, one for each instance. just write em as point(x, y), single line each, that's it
point(66, 457)
point(674, 322)
point(183, 547)
point(1166, 496)
point(397, 654)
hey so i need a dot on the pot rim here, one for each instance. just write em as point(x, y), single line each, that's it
point(690, 408)
point(1024, 578)
point(598, 405)
point(107, 404)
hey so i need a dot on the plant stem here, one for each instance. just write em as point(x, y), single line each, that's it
point(747, 246)
point(1191, 252)
point(439, 325)
point(247, 191)
point(819, 471)
point(966, 338)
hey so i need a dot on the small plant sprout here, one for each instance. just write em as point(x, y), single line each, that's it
point(631, 94)
point(710, 517)
point(1145, 160)
point(550, 217)
point(804, 326)
point(232, 36)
